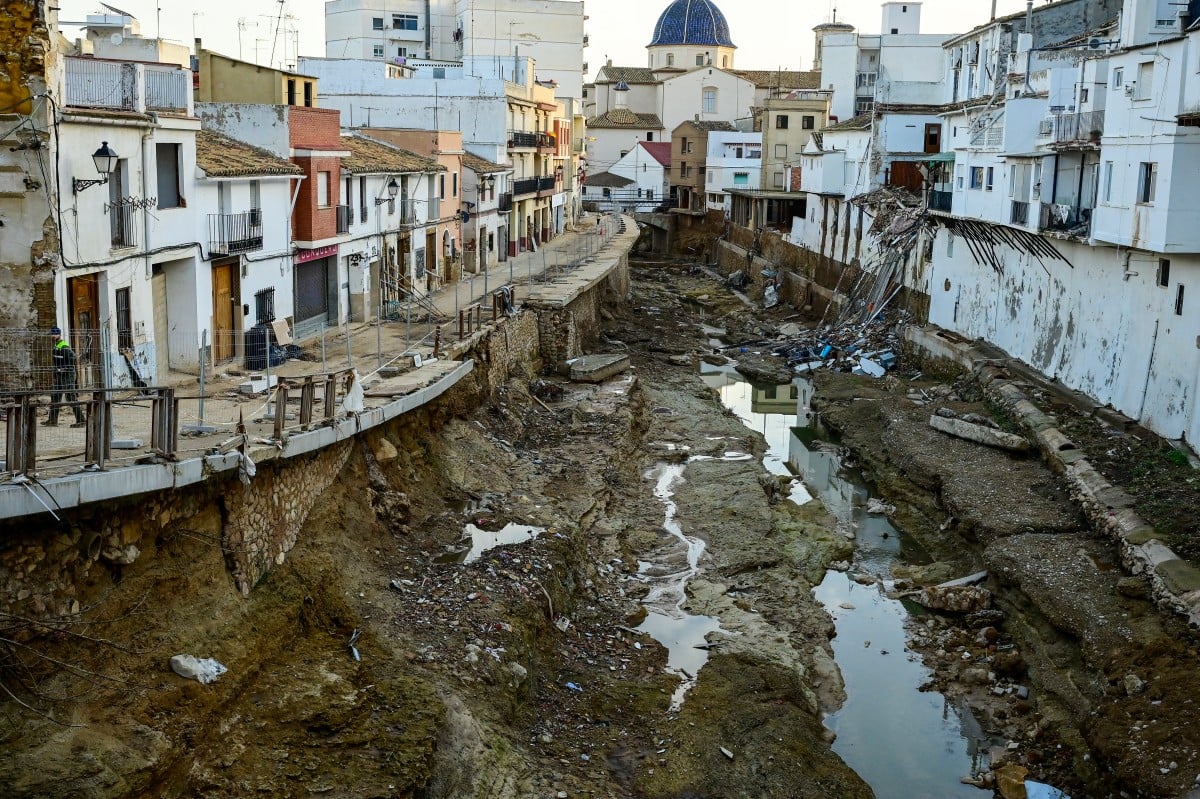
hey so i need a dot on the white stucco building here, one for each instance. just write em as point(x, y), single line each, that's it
point(734, 160)
point(551, 32)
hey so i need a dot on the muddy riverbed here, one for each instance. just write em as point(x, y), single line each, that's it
point(674, 584)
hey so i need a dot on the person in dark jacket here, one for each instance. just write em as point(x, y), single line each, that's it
point(65, 380)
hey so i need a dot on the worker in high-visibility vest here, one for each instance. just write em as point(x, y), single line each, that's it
point(65, 380)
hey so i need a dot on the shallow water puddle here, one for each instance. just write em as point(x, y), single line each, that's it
point(904, 742)
point(682, 633)
point(481, 541)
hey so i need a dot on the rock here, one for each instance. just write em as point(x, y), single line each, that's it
point(681, 360)
point(789, 329)
point(946, 413)
point(1133, 684)
point(983, 421)
point(384, 451)
point(1133, 587)
point(121, 555)
point(1009, 664)
point(763, 370)
point(1010, 781)
point(517, 674)
point(877, 507)
point(975, 676)
point(979, 434)
point(956, 598)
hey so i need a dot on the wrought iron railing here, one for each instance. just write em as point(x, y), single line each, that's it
point(1065, 218)
point(525, 186)
point(506, 202)
point(1085, 126)
point(522, 138)
point(167, 88)
point(101, 84)
point(941, 201)
point(1020, 213)
point(122, 219)
point(230, 234)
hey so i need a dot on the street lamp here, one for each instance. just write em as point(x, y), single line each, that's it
point(393, 188)
point(106, 161)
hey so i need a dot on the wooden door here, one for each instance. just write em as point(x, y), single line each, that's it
point(84, 295)
point(162, 357)
point(224, 282)
point(431, 259)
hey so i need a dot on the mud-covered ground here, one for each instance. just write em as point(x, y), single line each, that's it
point(1110, 708)
point(369, 664)
point(372, 664)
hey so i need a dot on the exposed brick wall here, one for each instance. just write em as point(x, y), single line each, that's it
point(311, 222)
point(314, 128)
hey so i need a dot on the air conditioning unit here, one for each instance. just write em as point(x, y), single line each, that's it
point(1046, 127)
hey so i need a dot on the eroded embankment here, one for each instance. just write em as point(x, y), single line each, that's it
point(517, 675)
point(1110, 707)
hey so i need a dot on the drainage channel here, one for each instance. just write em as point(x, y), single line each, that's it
point(904, 742)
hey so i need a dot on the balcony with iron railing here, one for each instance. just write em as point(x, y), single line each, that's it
point(230, 234)
point(547, 142)
point(525, 186)
point(522, 140)
point(344, 213)
point(127, 86)
point(1019, 215)
point(864, 83)
point(942, 201)
point(505, 203)
point(547, 185)
point(1071, 220)
point(1083, 129)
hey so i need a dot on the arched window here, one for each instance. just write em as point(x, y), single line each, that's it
point(670, 59)
point(709, 100)
point(724, 62)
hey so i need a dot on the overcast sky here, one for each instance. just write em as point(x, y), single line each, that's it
point(769, 34)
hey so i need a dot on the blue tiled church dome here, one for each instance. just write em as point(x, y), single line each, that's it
point(692, 22)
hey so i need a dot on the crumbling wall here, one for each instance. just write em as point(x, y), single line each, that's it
point(29, 242)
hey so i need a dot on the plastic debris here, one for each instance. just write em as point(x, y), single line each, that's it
point(354, 636)
point(574, 687)
point(1039, 790)
point(727, 753)
point(202, 670)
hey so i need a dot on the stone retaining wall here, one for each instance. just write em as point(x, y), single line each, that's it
point(1175, 583)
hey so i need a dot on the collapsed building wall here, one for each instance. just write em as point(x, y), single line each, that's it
point(29, 246)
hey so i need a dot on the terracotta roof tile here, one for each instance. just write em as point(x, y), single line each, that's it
point(368, 156)
point(609, 74)
point(781, 79)
point(481, 166)
point(860, 122)
point(624, 118)
point(222, 157)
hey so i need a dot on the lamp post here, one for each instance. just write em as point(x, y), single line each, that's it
point(480, 251)
point(106, 161)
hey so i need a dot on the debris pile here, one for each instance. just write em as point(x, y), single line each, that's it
point(864, 349)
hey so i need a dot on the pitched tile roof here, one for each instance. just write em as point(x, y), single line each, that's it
point(624, 118)
point(860, 122)
point(712, 124)
point(660, 150)
point(222, 157)
point(481, 166)
point(607, 180)
point(368, 156)
point(782, 79)
point(611, 74)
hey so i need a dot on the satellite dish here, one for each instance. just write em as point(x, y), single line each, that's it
point(116, 38)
